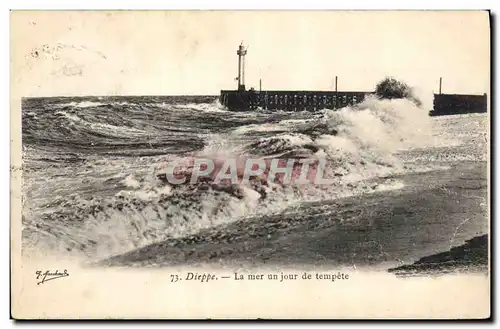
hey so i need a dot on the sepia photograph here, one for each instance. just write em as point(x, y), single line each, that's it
point(250, 164)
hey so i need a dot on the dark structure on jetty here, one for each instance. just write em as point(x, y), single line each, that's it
point(295, 100)
point(446, 104)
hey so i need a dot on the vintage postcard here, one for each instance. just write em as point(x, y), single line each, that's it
point(250, 164)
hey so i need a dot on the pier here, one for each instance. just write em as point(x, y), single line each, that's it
point(283, 100)
point(286, 100)
point(242, 99)
point(446, 104)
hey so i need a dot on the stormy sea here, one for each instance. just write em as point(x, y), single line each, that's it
point(405, 185)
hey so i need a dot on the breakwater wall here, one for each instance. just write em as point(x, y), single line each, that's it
point(289, 100)
point(447, 104)
point(281, 100)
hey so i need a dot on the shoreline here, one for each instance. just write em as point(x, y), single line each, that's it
point(470, 257)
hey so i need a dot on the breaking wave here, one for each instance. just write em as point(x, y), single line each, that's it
point(110, 205)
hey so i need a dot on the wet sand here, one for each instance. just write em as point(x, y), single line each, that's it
point(434, 212)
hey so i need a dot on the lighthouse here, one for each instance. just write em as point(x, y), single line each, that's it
point(241, 67)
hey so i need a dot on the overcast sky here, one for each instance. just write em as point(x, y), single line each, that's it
point(169, 53)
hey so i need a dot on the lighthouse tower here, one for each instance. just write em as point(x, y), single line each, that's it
point(241, 67)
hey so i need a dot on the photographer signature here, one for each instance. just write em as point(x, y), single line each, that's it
point(44, 276)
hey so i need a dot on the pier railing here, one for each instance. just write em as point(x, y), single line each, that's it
point(276, 100)
point(289, 100)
